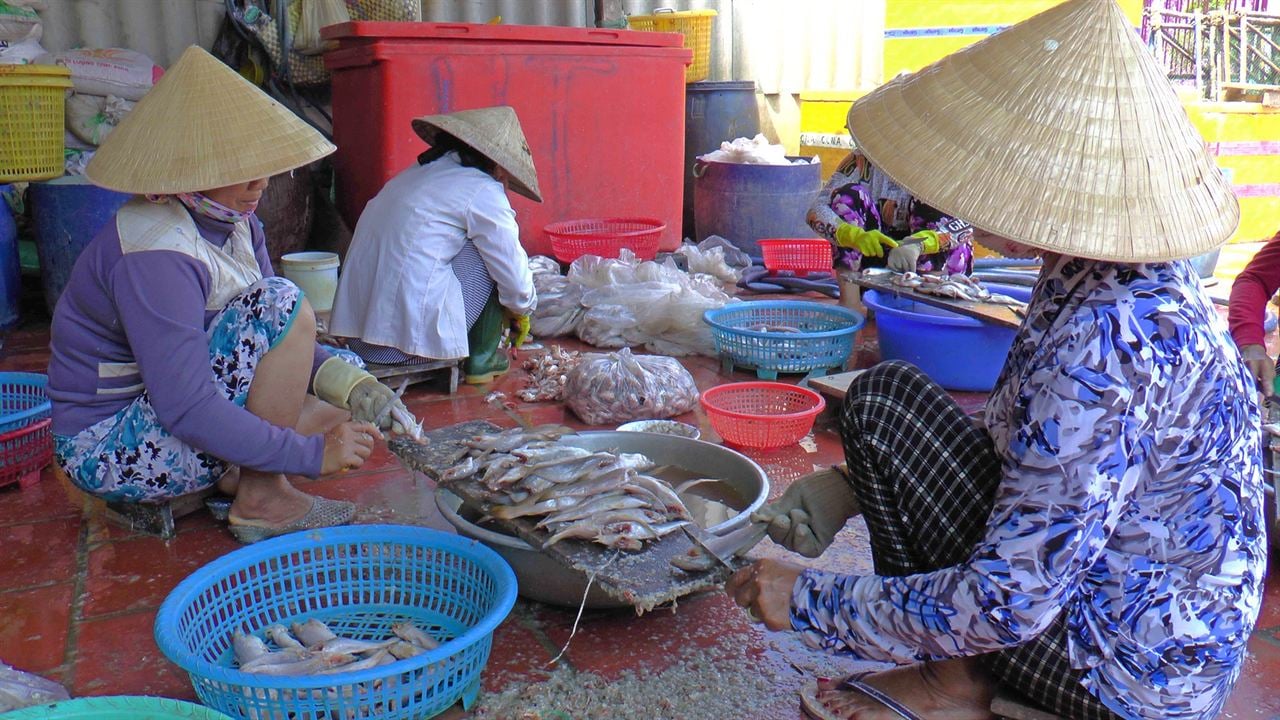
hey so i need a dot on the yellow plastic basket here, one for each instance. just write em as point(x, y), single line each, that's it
point(32, 139)
point(694, 25)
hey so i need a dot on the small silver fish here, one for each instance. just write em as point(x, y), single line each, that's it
point(413, 634)
point(279, 634)
point(313, 633)
point(404, 650)
point(247, 647)
point(313, 665)
point(352, 646)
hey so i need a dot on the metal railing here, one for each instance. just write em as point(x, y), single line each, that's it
point(1223, 53)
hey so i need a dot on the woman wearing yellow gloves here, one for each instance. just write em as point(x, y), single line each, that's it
point(875, 223)
point(436, 269)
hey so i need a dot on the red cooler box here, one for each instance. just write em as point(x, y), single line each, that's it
point(603, 111)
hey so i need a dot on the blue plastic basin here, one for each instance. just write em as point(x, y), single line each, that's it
point(958, 352)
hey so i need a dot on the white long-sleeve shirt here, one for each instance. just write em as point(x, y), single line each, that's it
point(396, 286)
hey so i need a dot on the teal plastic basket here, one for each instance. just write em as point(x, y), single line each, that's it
point(783, 336)
point(120, 707)
point(359, 580)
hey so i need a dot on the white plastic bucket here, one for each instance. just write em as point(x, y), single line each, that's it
point(316, 273)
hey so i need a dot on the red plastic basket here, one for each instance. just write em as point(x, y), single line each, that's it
point(799, 255)
point(25, 452)
point(605, 237)
point(761, 415)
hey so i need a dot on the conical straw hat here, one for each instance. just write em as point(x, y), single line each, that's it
point(1060, 132)
point(203, 127)
point(493, 132)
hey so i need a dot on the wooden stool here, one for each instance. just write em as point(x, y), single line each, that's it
point(396, 375)
point(156, 518)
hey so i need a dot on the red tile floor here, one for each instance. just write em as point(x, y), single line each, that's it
point(78, 596)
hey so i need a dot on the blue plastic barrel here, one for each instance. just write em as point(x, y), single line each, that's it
point(955, 351)
point(67, 213)
point(745, 203)
point(10, 268)
point(714, 112)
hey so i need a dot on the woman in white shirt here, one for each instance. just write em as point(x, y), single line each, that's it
point(435, 269)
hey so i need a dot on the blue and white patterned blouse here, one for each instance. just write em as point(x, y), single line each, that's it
point(1132, 500)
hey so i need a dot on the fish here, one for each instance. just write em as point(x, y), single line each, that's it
point(247, 647)
point(312, 633)
point(467, 467)
point(524, 509)
point(381, 657)
point(312, 665)
point(288, 655)
point(413, 634)
point(596, 505)
point(404, 650)
point(352, 646)
point(280, 635)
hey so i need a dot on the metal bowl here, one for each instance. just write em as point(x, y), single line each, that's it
point(542, 579)
point(661, 427)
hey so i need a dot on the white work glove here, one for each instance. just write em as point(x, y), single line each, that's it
point(904, 258)
point(812, 510)
point(340, 383)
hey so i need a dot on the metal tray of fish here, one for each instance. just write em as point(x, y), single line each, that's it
point(645, 578)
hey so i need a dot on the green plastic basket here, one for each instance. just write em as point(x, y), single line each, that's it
point(122, 707)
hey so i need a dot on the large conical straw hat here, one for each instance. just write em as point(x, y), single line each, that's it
point(203, 127)
point(1060, 132)
point(493, 132)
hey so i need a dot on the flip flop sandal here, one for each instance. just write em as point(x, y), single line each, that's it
point(815, 710)
point(323, 513)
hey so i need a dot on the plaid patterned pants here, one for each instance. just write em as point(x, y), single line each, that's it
point(926, 477)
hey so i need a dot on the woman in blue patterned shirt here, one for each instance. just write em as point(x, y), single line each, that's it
point(1095, 544)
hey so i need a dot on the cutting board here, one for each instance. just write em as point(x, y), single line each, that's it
point(644, 579)
point(1001, 315)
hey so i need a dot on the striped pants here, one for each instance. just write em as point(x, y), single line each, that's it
point(926, 477)
point(477, 286)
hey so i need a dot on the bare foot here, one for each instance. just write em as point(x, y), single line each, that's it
point(268, 499)
point(944, 690)
point(229, 481)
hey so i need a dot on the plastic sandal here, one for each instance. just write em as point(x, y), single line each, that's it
point(323, 513)
point(815, 710)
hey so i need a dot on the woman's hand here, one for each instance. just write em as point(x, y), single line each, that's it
point(1262, 367)
point(348, 445)
point(764, 589)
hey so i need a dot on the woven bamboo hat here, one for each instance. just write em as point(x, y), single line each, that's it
point(202, 127)
point(493, 132)
point(1060, 132)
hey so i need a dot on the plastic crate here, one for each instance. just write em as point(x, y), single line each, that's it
point(761, 415)
point(605, 237)
point(798, 255)
point(23, 400)
point(359, 580)
point(694, 25)
point(118, 707)
point(32, 103)
point(783, 336)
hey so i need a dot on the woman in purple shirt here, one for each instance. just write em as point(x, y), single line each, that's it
point(177, 355)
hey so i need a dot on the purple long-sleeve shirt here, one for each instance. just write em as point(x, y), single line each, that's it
point(148, 308)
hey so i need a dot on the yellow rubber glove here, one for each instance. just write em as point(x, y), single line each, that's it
point(340, 383)
point(871, 243)
point(519, 328)
point(929, 241)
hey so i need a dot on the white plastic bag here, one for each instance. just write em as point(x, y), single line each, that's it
point(620, 387)
point(91, 118)
point(21, 52)
point(19, 23)
point(20, 689)
point(313, 15)
point(559, 310)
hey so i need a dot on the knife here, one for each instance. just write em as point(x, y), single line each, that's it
point(710, 550)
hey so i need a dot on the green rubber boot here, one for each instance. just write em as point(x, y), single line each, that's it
point(488, 359)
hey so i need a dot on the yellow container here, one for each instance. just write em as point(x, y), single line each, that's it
point(32, 106)
point(694, 25)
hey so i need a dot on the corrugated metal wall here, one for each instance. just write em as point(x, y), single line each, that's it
point(786, 46)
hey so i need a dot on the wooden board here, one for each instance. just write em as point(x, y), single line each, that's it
point(644, 579)
point(396, 375)
point(1000, 315)
point(834, 386)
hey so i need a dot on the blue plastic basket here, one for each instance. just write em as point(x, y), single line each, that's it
point(359, 580)
point(23, 400)
point(116, 707)
point(816, 338)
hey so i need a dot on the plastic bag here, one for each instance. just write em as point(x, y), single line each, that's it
point(20, 689)
point(126, 74)
point(19, 23)
point(543, 265)
point(621, 387)
point(91, 118)
point(21, 52)
point(559, 310)
point(313, 15)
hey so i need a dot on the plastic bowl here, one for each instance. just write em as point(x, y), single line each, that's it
point(359, 580)
point(917, 333)
point(761, 415)
point(117, 707)
point(661, 427)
